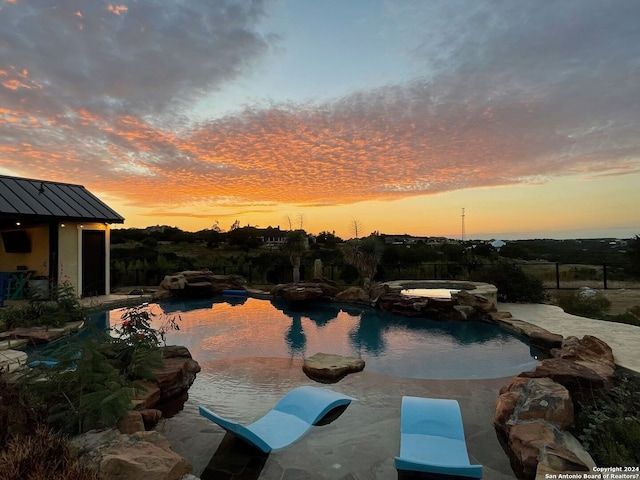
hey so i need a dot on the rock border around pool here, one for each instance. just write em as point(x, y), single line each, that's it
point(535, 410)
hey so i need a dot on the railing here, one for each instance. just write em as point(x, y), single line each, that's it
point(553, 275)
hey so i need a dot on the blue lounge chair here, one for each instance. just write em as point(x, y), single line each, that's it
point(432, 439)
point(289, 420)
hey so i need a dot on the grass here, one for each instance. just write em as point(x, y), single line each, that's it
point(594, 307)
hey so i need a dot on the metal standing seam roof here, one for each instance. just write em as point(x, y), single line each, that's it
point(40, 199)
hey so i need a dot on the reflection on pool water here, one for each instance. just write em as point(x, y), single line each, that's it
point(227, 328)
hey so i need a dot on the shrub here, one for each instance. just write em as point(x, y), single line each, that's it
point(577, 304)
point(82, 391)
point(62, 307)
point(92, 384)
point(630, 317)
point(41, 455)
point(608, 423)
point(513, 284)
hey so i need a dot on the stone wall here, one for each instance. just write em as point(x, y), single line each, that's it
point(534, 413)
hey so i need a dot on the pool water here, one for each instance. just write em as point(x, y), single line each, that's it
point(231, 327)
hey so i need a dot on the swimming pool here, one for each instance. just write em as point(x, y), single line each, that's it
point(226, 328)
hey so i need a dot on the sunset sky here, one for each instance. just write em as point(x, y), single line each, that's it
point(394, 113)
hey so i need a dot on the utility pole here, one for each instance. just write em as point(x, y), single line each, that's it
point(462, 224)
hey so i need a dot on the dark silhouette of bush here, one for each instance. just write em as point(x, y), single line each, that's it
point(513, 284)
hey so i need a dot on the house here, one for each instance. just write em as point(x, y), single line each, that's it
point(53, 233)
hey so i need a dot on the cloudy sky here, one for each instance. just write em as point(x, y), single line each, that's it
point(394, 113)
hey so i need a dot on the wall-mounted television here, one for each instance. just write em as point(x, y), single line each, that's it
point(16, 241)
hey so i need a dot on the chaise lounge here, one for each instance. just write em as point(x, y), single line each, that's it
point(432, 439)
point(289, 419)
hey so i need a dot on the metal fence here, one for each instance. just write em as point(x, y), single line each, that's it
point(553, 275)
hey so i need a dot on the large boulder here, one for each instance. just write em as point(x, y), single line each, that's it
point(539, 444)
point(306, 291)
point(578, 379)
point(526, 399)
point(117, 456)
point(330, 368)
point(178, 372)
point(590, 352)
point(534, 412)
point(353, 295)
point(197, 283)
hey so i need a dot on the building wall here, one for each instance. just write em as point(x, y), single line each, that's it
point(68, 244)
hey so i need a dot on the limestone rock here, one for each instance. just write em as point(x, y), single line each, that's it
point(545, 340)
point(147, 395)
point(542, 443)
point(150, 417)
point(197, 283)
point(505, 407)
point(306, 291)
point(577, 378)
point(587, 349)
point(499, 315)
point(353, 294)
point(123, 457)
point(176, 376)
point(173, 282)
point(330, 368)
point(301, 293)
point(131, 423)
point(525, 442)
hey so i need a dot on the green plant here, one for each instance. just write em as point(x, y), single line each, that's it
point(61, 307)
point(629, 317)
point(576, 303)
point(83, 391)
point(513, 284)
point(93, 382)
point(608, 423)
point(365, 255)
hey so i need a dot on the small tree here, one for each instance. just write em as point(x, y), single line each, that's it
point(297, 245)
point(365, 255)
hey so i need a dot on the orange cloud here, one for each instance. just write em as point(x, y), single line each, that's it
point(117, 9)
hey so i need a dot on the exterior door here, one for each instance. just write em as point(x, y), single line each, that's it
point(93, 262)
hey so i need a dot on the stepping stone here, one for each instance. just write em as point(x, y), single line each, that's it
point(330, 368)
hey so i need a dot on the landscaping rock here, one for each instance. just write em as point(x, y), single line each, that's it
point(526, 399)
point(578, 379)
point(330, 368)
point(545, 340)
point(132, 423)
point(197, 283)
point(542, 443)
point(306, 291)
point(178, 373)
point(587, 350)
point(353, 294)
point(130, 457)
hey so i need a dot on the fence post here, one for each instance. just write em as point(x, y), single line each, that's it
point(557, 276)
point(604, 274)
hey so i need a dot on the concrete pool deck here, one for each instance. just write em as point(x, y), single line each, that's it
point(623, 339)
